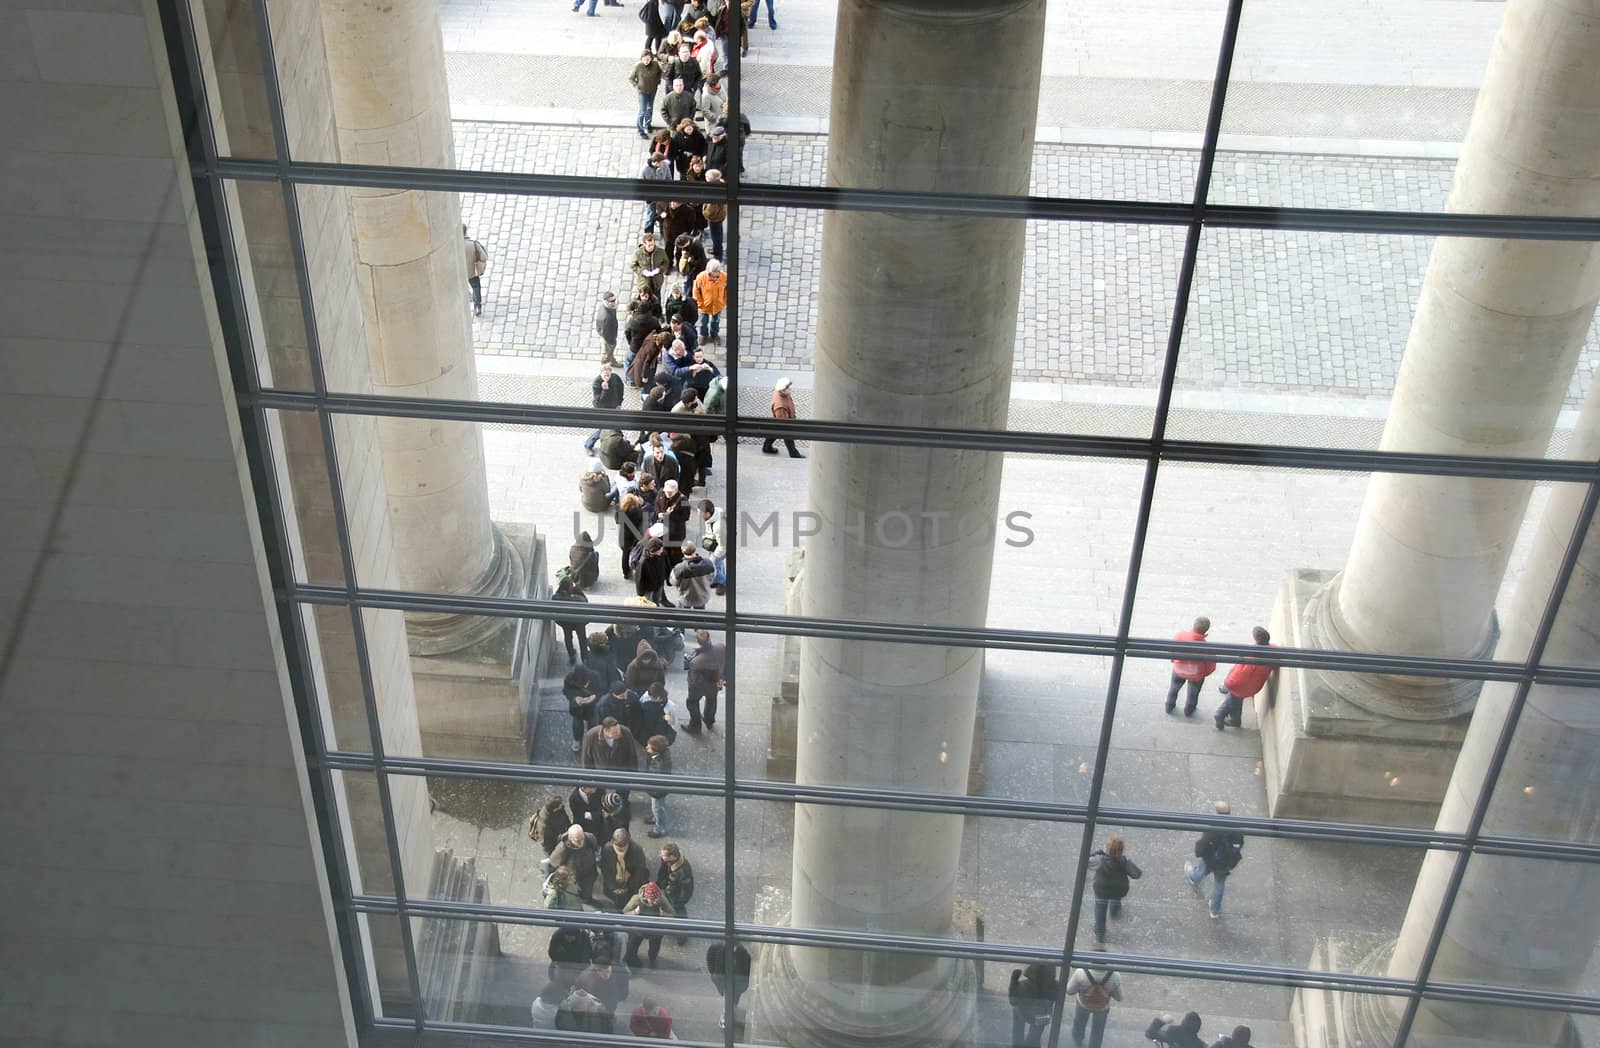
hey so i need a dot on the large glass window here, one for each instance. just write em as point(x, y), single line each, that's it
point(1082, 496)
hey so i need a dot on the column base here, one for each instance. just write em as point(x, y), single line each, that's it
point(480, 701)
point(1329, 1019)
point(789, 1009)
point(1326, 754)
point(443, 634)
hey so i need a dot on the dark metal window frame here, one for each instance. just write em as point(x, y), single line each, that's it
point(210, 173)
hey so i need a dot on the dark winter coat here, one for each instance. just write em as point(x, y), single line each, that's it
point(625, 708)
point(1113, 874)
point(613, 448)
point(653, 721)
point(547, 826)
point(1220, 849)
point(676, 884)
point(626, 873)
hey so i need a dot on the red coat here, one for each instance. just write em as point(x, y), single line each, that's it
point(1247, 678)
point(1189, 669)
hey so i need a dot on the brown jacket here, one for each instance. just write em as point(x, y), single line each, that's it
point(782, 404)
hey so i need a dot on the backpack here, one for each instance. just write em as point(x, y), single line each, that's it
point(1097, 995)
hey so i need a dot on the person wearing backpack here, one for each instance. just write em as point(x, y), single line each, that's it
point(1095, 987)
point(1217, 852)
point(1032, 993)
point(1113, 874)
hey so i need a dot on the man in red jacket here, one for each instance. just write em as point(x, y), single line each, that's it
point(1190, 671)
point(1243, 681)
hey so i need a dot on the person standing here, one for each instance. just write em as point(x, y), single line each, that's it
point(648, 901)
point(622, 705)
point(1239, 1037)
point(692, 576)
point(772, 19)
point(782, 407)
point(1113, 875)
point(710, 299)
point(1243, 682)
point(1189, 672)
point(657, 168)
point(609, 746)
point(622, 868)
point(658, 761)
point(1217, 853)
point(549, 824)
point(1032, 994)
point(567, 591)
point(714, 214)
point(561, 890)
point(630, 528)
point(729, 974)
point(676, 878)
point(477, 262)
point(646, 79)
point(650, 265)
point(651, 1020)
point(575, 851)
point(582, 701)
point(705, 667)
point(1095, 987)
point(712, 102)
point(605, 325)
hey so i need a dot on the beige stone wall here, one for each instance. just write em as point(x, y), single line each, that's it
point(163, 879)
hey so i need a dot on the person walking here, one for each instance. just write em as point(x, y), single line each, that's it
point(1095, 986)
point(1190, 673)
point(1113, 874)
point(1243, 682)
point(648, 901)
point(782, 407)
point(706, 665)
point(711, 298)
point(1217, 853)
point(477, 262)
point(1032, 994)
point(730, 974)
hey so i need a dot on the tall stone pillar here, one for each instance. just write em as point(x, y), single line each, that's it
point(1497, 332)
point(906, 534)
point(392, 106)
point(1520, 922)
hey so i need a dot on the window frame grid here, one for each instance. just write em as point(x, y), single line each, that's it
point(210, 173)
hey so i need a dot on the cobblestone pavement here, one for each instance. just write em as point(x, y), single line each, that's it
point(1277, 311)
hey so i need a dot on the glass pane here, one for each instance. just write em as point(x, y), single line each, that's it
point(236, 88)
point(1303, 747)
point(1050, 552)
point(1117, 112)
point(330, 643)
point(367, 847)
point(1546, 942)
point(1273, 907)
point(301, 460)
point(1088, 334)
point(273, 307)
point(909, 873)
point(1453, 1024)
point(1548, 783)
point(1339, 340)
point(385, 964)
point(1032, 719)
point(1429, 564)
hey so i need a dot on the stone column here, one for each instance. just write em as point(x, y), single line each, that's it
point(1498, 329)
point(922, 101)
point(392, 106)
point(1520, 922)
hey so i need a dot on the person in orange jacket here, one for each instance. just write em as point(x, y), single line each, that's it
point(1242, 682)
point(1192, 672)
point(711, 298)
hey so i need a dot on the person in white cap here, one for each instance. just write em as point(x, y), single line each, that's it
point(782, 407)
